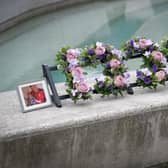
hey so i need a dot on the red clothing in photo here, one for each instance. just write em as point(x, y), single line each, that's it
point(39, 96)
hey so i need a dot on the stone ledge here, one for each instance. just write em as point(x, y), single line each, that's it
point(15, 124)
point(12, 14)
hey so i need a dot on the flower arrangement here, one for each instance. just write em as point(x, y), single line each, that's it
point(154, 71)
point(164, 47)
point(77, 85)
point(96, 54)
point(71, 61)
point(106, 85)
point(115, 77)
point(138, 46)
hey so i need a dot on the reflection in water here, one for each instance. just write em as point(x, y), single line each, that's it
point(24, 48)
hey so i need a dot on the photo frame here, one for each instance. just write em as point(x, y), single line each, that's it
point(34, 95)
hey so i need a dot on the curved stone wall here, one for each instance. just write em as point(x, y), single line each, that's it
point(14, 12)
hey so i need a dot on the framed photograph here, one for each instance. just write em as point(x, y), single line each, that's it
point(34, 95)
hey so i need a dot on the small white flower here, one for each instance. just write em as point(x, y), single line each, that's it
point(73, 62)
point(146, 72)
point(166, 69)
point(73, 92)
point(102, 78)
point(136, 45)
point(99, 44)
point(127, 75)
point(146, 54)
point(156, 45)
point(118, 53)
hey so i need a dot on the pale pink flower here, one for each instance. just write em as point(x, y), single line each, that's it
point(100, 49)
point(72, 55)
point(143, 43)
point(82, 87)
point(77, 71)
point(119, 81)
point(157, 55)
point(114, 63)
point(160, 75)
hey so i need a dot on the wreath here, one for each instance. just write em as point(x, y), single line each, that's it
point(138, 46)
point(155, 70)
point(77, 85)
point(115, 77)
point(114, 80)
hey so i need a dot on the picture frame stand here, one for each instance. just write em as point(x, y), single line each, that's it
point(47, 74)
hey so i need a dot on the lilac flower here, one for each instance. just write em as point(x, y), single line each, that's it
point(91, 51)
point(108, 66)
point(110, 87)
point(116, 52)
point(132, 43)
point(73, 62)
point(139, 74)
point(151, 48)
point(154, 68)
point(164, 60)
point(127, 75)
point(91, 88)
point(136, 49)
point(63, 56)
point(147, 80)
point(101, 57)
point(71, 66)
point(100, 84)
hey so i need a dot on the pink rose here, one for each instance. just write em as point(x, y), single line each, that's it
point(143, 43)
point(100, 50)
point(72, 55)
point(82, 87)
point(77, 74)
point(114, 63)
point(157, 55)
point(160, 75)
point(77, 71)
point(120, 81)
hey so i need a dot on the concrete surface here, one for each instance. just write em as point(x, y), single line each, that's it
point(128, 132)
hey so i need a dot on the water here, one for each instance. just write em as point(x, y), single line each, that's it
point(25, 47)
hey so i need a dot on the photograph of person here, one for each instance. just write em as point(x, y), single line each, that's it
point(34, 95)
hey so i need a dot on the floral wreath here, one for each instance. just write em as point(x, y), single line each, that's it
point(138, 46)
point(155, 70)
point(115, 78)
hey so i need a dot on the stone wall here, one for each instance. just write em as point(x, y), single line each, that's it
point(16, 11)
point(128, 132)
point(130, 142)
